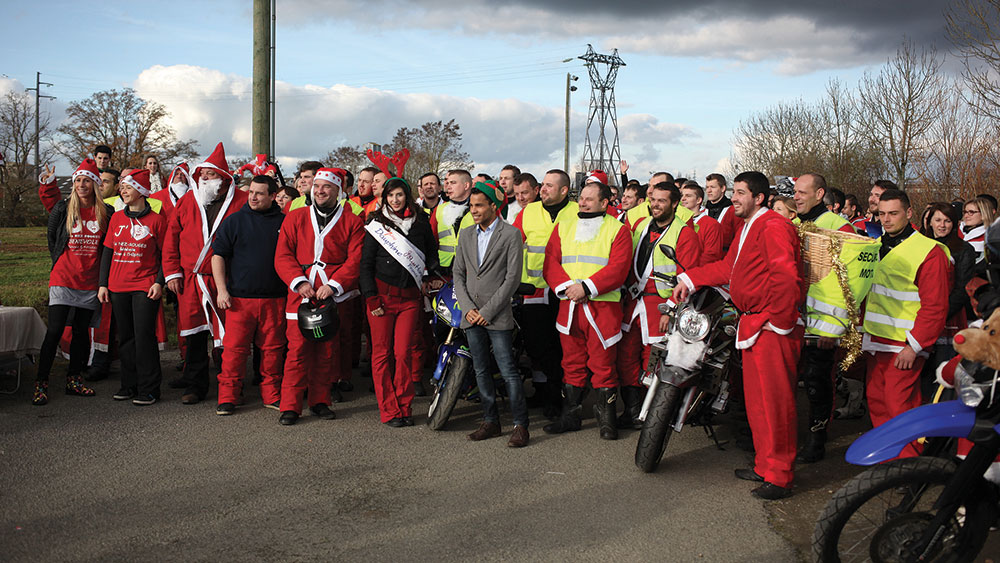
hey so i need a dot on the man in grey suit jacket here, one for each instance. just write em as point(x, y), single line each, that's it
point(487, 272)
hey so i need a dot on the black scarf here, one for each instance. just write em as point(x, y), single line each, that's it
point(889, 241)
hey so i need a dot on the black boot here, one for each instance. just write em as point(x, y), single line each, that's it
point(570, 419)
point(553, 407)
point(632, 397)
point(815, 447)
point(605, 412)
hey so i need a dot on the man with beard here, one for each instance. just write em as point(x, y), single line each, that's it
point(365, 180)
point(319, 257)
point(539, 312)
point(762, 270)
point(643, 324)
point(187, 265)
point(452, 216)
point(586, 262)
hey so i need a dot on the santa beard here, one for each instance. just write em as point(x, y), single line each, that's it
point(207, 191)
point(452, 213)
point(587, 229)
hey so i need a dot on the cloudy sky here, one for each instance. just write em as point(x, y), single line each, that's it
point(351, 72)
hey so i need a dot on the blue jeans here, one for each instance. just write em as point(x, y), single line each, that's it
point(480, 339)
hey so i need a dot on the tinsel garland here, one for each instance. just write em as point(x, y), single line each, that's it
point(851, 340)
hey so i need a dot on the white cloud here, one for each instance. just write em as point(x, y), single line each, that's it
point(209, 106)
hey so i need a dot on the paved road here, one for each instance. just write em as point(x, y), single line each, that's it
point(93, 479)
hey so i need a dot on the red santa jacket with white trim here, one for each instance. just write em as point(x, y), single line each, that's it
point(188, 235)
point(763, 270)
point(330, 256)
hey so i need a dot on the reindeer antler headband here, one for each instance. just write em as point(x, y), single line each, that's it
point(382, 162)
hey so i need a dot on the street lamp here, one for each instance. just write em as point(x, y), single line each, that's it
point(569, 88)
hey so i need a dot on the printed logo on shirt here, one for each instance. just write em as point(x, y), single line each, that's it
point(140, 232)
point(93, 226)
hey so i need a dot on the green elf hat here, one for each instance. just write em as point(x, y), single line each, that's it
point(493, 192)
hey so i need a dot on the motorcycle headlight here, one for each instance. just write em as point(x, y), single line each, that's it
point(442, 310)
point(693, 325)
point(969, 392)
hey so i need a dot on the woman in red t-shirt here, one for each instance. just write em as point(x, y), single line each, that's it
point(75, 234)
point(132, 281)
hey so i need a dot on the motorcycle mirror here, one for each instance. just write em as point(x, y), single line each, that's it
point(670, 253)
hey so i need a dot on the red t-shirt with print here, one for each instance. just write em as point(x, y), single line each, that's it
point(79, 266)
point(136, 244)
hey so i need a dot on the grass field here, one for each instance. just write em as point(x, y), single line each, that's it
point(24, 268)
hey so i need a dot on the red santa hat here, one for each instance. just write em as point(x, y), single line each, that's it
point(336, 176)
point(88, 169)
point(597, 176)
point(139, 181)
point(180, 173)
point(215, 161)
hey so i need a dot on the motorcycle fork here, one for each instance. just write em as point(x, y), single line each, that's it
point(648, 399)
point(959, 488)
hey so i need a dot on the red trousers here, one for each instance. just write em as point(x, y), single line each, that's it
point(309, 366)
point(394, 337)
point(633, 356)
point(892, 391)
point(346, 334)
point(248, 321)
point(583, 353)
point(769, 383)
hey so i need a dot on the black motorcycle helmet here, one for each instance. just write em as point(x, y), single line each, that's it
point(318, 320)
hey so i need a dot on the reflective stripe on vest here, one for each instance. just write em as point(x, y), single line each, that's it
point(661, 263)
point(537, 225)
point(894, 299)
point(587, 258)
point(826, 308)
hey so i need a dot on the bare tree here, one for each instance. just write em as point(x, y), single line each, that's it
point(131, 126)
point(435, 146)
point(848, 162)
point(898, 106)
point(780, 140)
point(17, 144)
point(348, 157)
point(973, 26)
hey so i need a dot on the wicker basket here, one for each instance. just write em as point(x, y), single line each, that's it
point(817, 255)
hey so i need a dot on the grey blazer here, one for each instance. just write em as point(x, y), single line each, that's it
point(488, 288)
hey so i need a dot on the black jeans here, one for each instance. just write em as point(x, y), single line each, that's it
point(196, 363)
point(817, 375)
point(140, 355)
point(541, 339)
point(79, 347)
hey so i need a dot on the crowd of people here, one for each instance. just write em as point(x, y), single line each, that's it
point(249, 264)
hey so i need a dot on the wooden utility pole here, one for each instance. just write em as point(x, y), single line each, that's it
point(261, 110)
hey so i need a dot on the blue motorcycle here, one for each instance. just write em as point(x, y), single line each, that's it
point(934, 507)
point(454, 376)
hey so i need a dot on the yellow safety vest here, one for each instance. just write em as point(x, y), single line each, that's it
point(538, 225)
point(894, 298)
point(636, 214)
point(825, 307)
point(116, 202)
point(581, 260)
point(301, 202)
point(661, 263)
point(447, 237)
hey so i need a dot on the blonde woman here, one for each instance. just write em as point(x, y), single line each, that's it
point(76, 230)
point(978, 214)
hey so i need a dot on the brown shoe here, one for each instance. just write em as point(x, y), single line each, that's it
point(486, 430)
point(190, 398)
point(519, 438)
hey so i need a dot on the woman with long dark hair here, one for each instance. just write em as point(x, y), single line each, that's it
point(399, 248)
point(76, 230)
point(940, 222)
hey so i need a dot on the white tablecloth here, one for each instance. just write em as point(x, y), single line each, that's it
point(21, 331)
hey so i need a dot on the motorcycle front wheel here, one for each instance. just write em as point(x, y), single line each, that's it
point(447, 390)
point(657, 427)
point(881, 513)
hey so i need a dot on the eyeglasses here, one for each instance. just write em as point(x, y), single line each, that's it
point(970, 212)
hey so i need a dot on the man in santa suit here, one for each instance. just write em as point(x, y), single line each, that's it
point(642, 324)
point(762, 268)
point(187, 265)
point(178, 184)
point(905, 310)
point(708, 229)
point(318, 257)
point(586, 262)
